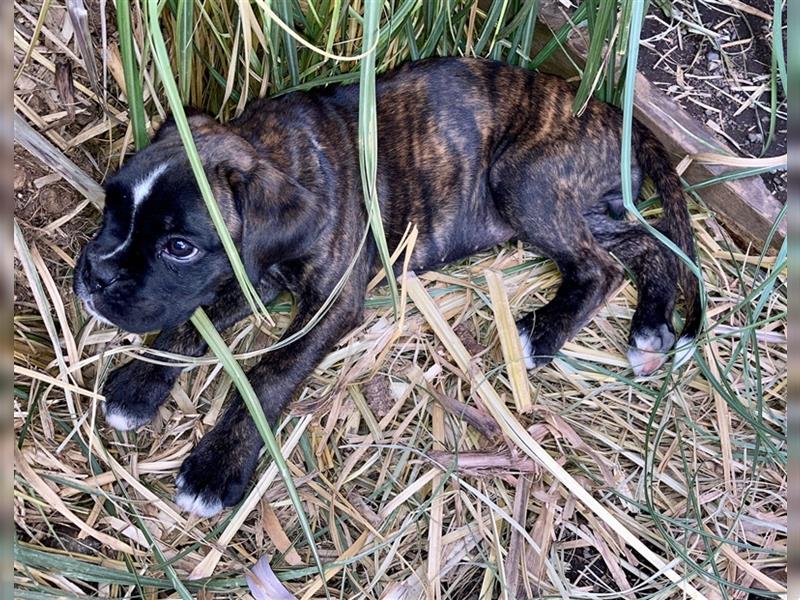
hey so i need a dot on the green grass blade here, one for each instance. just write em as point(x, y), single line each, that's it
point(730, 176)
point(434, 36)
point(162, 61)
point(221, 351)
point(777, 42)
point(493, 18)
point(411, 40)
point(527, 34)
point(200, 320)
point(773, 104)
point(637, 18)
point(133, 84)
point(337, 8)
point(598, 31)
point(184, 47)
point(368, 141)
point(559, 38)
point(284, 10)
point(401, 19)
point(155, 546)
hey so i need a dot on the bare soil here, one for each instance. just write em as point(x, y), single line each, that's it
point(716, 63)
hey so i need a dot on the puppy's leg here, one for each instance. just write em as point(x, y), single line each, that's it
point(218, 470)
point(545, 208)
point(136, 390)
point(655, 269)
point(588, 275)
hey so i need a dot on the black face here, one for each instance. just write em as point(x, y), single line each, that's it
point(157, 256)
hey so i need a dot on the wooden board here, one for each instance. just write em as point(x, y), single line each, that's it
point(745, 206)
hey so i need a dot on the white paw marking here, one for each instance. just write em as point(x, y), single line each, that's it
point(141, 190)
point(119, 420)
point(527, 350)
point(684, 350)
point(645, 356)
point(643, 363)
point(196, 504)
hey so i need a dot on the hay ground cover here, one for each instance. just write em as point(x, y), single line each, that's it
point(412, 482)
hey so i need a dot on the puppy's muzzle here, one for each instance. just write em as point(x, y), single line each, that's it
point(93, 275)
point(96, 274)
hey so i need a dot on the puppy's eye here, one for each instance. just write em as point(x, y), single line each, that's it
point(180, 249)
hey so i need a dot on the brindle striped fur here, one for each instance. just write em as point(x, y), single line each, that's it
point(474, 153)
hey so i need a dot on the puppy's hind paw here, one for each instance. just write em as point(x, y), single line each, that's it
point(532, 348)
point(649, 348)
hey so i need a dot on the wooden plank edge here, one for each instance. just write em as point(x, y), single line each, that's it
point(744, 206)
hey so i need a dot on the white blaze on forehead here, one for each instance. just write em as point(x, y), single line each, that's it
point(144, 186)
point(141, 190)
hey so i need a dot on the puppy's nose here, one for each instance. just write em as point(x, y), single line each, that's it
point(100, 274)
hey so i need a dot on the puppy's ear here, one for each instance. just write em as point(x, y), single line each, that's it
point(275, 217)
point(198, 120)
point(280, 218)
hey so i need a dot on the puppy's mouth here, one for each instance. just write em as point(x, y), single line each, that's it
point(88, 300)
point(88, 305)
point(106, 311)
point(92, 307)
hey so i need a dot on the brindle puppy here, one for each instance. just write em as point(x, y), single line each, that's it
point(475, 153)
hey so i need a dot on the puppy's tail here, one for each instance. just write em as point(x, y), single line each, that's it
point(676, 225)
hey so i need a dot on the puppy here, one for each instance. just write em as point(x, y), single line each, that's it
point(473, 152)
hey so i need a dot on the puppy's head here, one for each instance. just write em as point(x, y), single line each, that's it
point(157, 256)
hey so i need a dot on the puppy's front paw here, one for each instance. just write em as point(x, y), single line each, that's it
point(215, 475)
point(649, 347)
point(135, 391)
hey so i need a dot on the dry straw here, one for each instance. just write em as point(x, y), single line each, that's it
point(429, 463)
